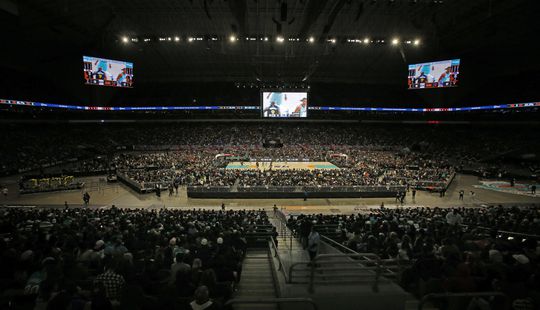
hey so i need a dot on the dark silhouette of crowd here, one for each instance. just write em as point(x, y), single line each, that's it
point(126, 259)
point(447, 250)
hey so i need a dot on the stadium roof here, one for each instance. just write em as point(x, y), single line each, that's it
point(49, 37)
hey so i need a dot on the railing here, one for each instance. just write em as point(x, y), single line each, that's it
point(272, 301)
point(386, 267)
point(283, 226)
point(281, 266)
point(315, 267)
point(458, 295)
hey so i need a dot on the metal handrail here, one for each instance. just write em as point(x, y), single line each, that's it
point(397, 261)
point(272, 301)
point(455, 295)
point(274, 246)
point(317, 260)
point(333, 242)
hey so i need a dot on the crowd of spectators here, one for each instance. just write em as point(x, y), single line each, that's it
point(130, 259)
point(388, 154)
point(447, 250)
point(200, 167)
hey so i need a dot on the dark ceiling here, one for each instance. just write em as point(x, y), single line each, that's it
point(53, 34)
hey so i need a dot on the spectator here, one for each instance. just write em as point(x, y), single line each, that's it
point(112, 281)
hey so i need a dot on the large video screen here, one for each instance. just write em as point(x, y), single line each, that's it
point(107, 72)
point(284, 104)
point(434, 74)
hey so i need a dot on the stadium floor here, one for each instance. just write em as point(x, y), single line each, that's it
point(282, 165)
point(105, 195)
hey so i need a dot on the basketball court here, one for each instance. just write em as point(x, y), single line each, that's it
point(282, 165)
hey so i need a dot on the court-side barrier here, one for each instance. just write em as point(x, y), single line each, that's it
point(295, 192)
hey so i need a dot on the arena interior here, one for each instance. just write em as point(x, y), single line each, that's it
point(269, 154)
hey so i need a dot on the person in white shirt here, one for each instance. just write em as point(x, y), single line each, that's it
point(454, 218)
point(314, 240)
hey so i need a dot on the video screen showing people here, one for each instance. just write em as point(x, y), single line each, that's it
point(284, 104)
point(434, 74)
point(107, 72)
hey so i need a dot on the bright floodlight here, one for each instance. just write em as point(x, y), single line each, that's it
point(190, 39)
point(366, 40)
point(395, 41)
point(125, 39)
point(232, 38)
point(176, 39)
point(280, 39)
point(417, 42)
point(311, 39)
point(333, 41)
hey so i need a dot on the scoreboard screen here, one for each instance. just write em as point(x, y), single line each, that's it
point(437, 74)
point(107, 72)
point(284, 104)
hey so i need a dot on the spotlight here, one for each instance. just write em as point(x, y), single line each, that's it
point(125, 39)
point(311, 39)
point(232, 38)
point(395, 41)
point(416, 42)
point(176, 39)
point(366, 40)
point(280, 39)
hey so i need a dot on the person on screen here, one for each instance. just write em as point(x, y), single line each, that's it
point(445, 76)
point(102, 73)
point(277, 98)
point(121, 78)
point(272, 110)
point(301, 109)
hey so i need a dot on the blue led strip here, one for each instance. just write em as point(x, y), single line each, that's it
point(315, 108)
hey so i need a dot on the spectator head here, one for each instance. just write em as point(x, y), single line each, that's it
point(521, 259)
point(197, 263)
point(202, 295)
point(495, 256)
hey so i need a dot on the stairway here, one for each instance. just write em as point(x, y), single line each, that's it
point(256, 280)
